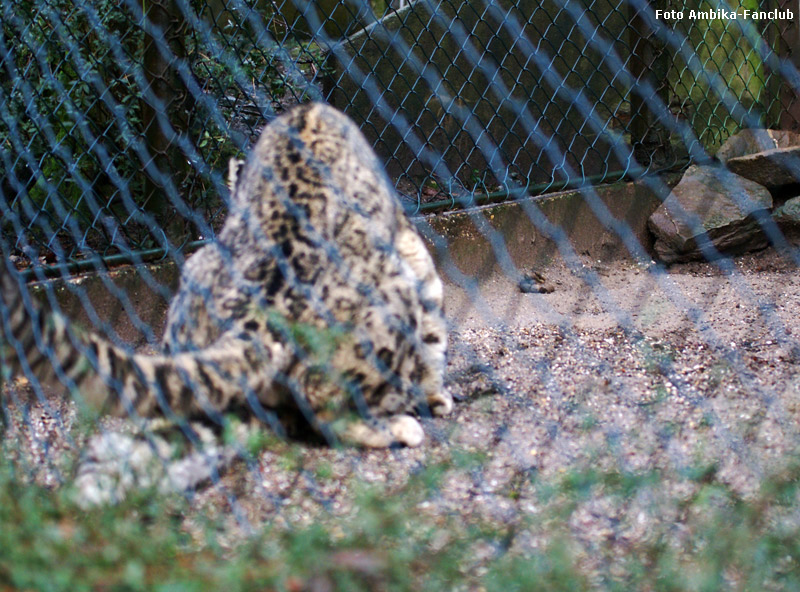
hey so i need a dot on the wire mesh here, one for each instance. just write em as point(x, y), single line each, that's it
point(628, 424)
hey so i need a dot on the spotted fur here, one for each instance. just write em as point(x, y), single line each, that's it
point(318, 300)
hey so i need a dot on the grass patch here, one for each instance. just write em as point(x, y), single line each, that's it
point(707, 538)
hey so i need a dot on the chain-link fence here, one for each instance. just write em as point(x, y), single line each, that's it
point(115, 119)
point(619, 423)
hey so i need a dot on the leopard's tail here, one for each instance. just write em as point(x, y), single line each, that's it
point(45, 347)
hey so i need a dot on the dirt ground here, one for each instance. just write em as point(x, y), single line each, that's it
point(621, 367)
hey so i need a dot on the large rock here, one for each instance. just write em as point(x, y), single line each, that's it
point(768, 157)
point(715, 201)
point(773, 169)
point(750, 141)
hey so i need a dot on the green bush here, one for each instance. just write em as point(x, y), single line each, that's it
point(73, 109)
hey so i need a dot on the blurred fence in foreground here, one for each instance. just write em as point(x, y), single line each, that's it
point(634, 429)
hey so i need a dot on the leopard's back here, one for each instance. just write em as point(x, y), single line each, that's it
point(317, 237)
point(318, 294)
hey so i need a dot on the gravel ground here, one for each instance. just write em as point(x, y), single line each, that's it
point(553, 383)
point(650, 373)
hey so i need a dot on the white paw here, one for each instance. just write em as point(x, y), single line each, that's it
point(406, 430)
point(441, 403)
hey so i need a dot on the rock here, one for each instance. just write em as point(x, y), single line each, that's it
point(750, 141)
point(772, 168)
point(535, 283)
point(768, 157)
point(724, 205)
point(789, 213)
point(116, 463)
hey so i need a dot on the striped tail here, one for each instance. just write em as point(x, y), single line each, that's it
point(46, 347)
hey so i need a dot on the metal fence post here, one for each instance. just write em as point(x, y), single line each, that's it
point(165, 84)
point(784, 38)
point(649, 62)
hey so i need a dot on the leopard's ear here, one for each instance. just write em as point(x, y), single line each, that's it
point(234, 168)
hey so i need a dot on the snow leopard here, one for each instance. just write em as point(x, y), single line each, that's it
point(318, 305)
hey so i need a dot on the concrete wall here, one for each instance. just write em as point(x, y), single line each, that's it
point(469, 247)
point(465, 245)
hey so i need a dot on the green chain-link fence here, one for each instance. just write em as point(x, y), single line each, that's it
point(117, 116)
